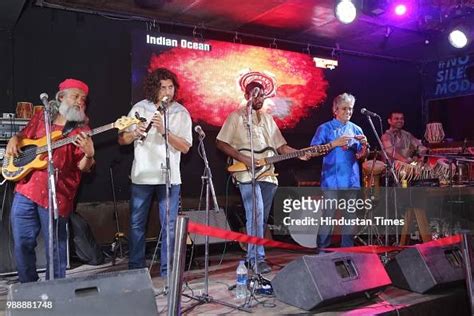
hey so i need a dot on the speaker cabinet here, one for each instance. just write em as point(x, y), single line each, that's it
point(216, 219)
point(426, 267)
point(115, 293)
point(315, 281)
point(7, 260)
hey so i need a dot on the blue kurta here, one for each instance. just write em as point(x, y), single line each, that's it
point(340, 167)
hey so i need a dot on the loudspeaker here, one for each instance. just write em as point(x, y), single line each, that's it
point(216, 219)
point(7, 260)
point(114, 293)
point(314, 281)
point(426, 267)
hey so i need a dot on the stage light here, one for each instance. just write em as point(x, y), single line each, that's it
point(346, 11)
point(458, 38)
point(400, 9)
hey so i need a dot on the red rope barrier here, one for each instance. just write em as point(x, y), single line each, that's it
point(230, 235)
point(211, 231)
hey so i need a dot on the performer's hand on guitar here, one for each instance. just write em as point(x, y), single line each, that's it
point(247, 160)
point(84, 142)
point(307, 156)
point(13, 148)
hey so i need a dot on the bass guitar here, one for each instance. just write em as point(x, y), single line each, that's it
point(32, 156)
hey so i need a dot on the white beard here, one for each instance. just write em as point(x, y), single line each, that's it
point(71, 113)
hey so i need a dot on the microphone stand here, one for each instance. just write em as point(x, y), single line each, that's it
point(207, 179)
point(52, 198)
point(167, 170)
point(388, 168)
point(119, 236)
point(257, 277)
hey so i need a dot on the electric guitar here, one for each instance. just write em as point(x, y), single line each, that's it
point(264, 160)
point(32, 150)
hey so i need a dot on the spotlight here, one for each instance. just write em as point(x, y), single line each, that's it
point(346, 11)
point(458, 38)
point(400, 9)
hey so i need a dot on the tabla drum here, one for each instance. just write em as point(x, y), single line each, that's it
point(434, 133)
point(371, 171)
point(443, 171)
point(377, 166)
point(403, 170)
point(24, 110)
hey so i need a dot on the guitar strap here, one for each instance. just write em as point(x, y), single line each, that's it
point(69, 127)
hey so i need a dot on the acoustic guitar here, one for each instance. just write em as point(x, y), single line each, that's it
point(32, 156)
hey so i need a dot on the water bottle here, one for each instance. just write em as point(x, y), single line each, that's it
point(241, 289)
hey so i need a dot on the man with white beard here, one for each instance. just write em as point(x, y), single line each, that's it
point(29, 214)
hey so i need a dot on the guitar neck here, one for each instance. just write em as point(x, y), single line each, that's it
point(278, 158)
point(70, 139)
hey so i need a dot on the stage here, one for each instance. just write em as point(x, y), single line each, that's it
point(388, 301)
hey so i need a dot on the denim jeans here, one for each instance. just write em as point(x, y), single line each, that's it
point(347, 231)
point(140, 202)
point(265, 191)
point(27, 220)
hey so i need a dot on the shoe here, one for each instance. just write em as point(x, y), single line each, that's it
point(263, 267)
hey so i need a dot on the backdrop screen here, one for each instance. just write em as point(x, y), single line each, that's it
point(212, 75)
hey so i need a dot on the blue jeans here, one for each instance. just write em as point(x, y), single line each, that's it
point(347, 232)
point(140, 202)
point(27, 220)
point(265, 191)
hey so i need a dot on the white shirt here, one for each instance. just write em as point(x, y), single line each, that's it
point(150, 156)
point(265, 134)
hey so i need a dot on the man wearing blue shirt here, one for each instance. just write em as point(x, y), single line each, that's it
point(340, 167)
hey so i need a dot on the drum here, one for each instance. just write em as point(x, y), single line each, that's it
point(413, 171)
point(377, 166)
point(404, 171)
point(374, 168)
point(24, 110)
point(442, 170)
point(434, 133)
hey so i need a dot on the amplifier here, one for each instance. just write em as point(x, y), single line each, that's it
point(10, 127)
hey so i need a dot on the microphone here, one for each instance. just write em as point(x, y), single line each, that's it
point(163, 103)
point(160, 109)
point(369, 113)
point(44, 98)
point(255, 92)
point(198, 129)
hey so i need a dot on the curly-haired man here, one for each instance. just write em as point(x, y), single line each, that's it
point(160, 89)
